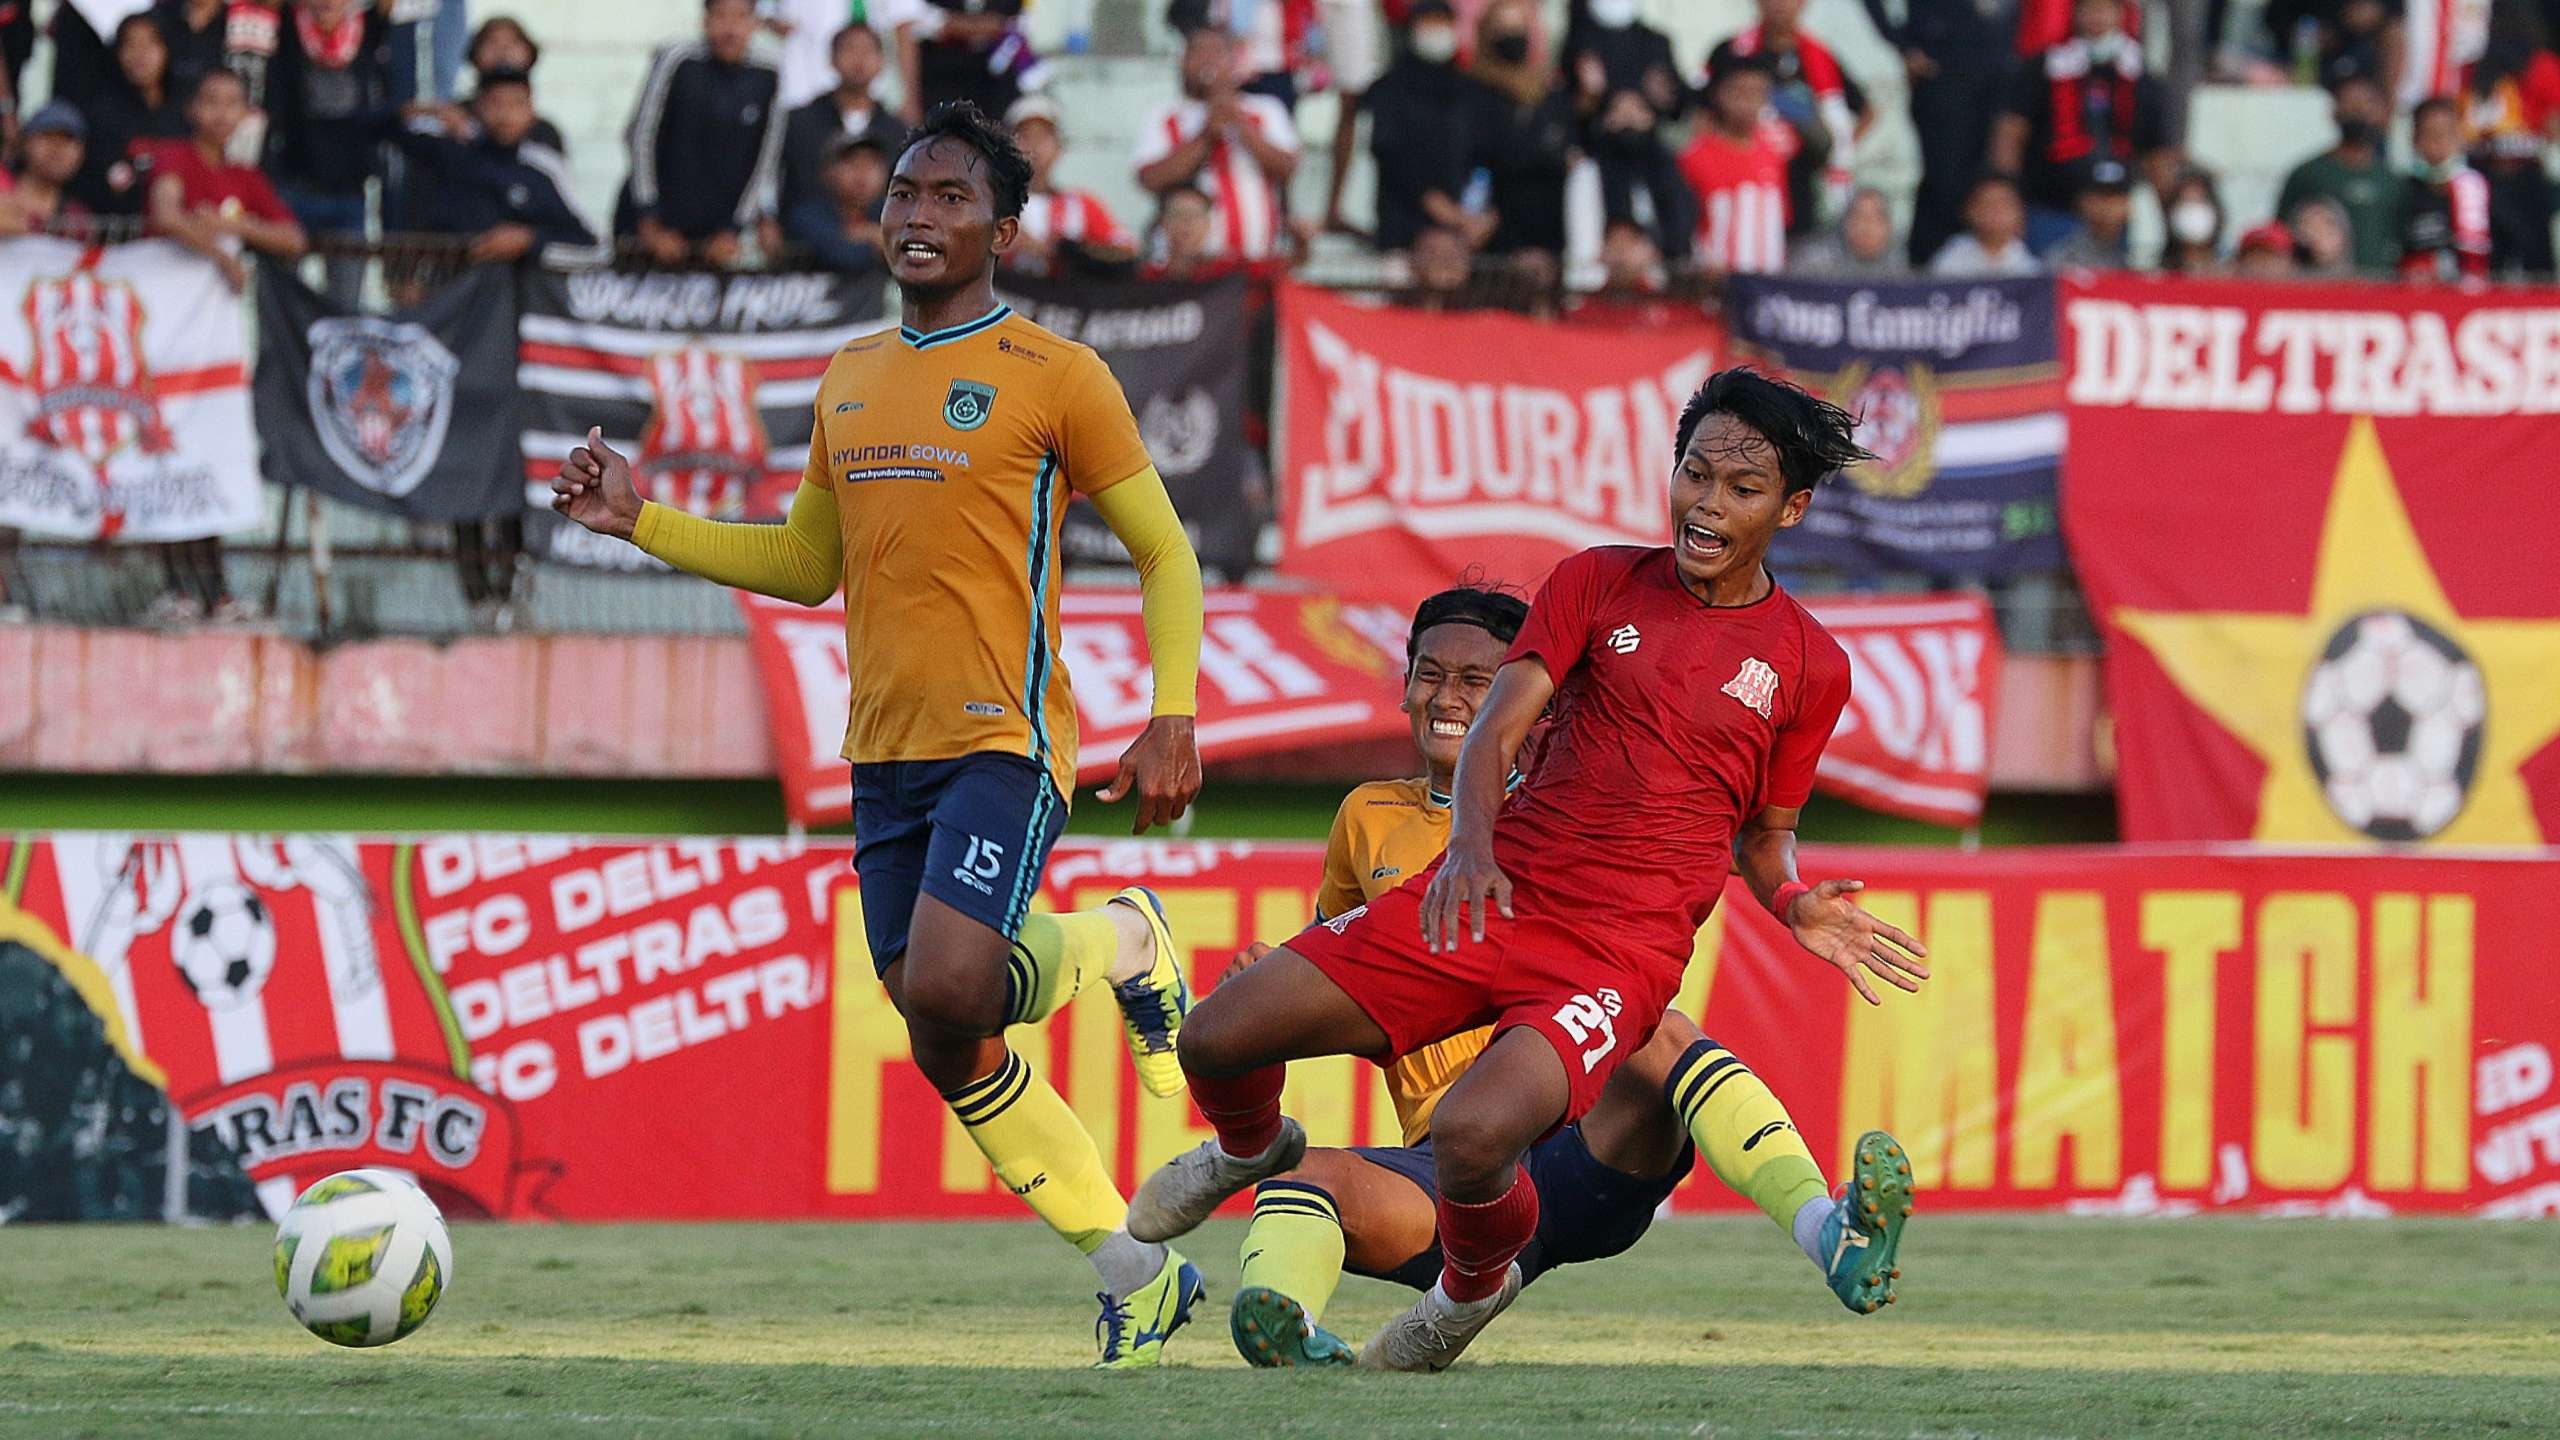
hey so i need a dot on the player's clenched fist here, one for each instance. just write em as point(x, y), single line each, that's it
point(594, 488)
point(1468, 879)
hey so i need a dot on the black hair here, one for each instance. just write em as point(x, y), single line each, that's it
point(1008, 172)
point(2434, 102)
point(143, 18)
point(480, 33)
point(502, 76)
point(836, 41)
point(1733, 63)
point(1495, 609)
point(1814, 438)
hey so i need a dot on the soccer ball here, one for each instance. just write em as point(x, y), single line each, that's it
point(362, 1258)
point(224, 945)
point(2392, 716)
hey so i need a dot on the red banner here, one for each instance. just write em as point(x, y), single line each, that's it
point(2315, 525)
point(1924, 678)
point(688, 1029)
point(1278, 672)
point(1421, 446)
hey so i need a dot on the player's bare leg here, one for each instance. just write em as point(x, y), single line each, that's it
point(1233, 1048)
point(950, 986)
point(1335, 1211)
point(1488, 1209)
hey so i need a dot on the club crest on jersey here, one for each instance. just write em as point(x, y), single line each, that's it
point(968, 405)
point(1755, 685)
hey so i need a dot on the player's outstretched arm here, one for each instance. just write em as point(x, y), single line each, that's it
point(1162, 766)
point(800, 561)
point(1468, 876)
point(1823, 918)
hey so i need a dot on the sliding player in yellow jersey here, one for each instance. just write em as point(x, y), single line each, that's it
point(1370, 1209)
point(943, 458)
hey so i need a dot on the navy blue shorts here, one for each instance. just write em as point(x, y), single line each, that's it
point(972, 833)
point(1586, 1211)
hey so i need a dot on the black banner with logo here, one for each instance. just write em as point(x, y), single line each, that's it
point(1958, 389)
point(415, 413)
point(1179, 351)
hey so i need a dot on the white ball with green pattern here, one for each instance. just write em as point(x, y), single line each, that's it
point(362, 1258)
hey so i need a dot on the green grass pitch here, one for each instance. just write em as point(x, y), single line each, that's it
point(2009, 1327)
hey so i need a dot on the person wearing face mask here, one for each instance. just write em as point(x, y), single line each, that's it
point(2194, 213)
point(2354, 175)
point(1523, 130)
point(2085, 99)
point(1626, 87)
point(2444, 208)
point(1419, 114)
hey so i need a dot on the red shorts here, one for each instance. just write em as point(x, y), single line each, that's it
point(1596, 1001)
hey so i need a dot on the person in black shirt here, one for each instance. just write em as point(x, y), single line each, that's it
point(1957, 54)
point(706, 145)
point(839, 222)
point(326, 92)
point(137, 104)
point(1418, 119)
point(1626, 87)
point(849, 111)
point(197, 32)
point(502, 43)
point(2085, 99)
point(1524, 133)
point(500, 186)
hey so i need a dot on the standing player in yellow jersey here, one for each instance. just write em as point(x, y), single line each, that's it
point(943, 458)
point(1370, 1210)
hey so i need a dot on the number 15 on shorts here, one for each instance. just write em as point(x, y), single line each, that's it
point(1584, 1016)
point(983, 863)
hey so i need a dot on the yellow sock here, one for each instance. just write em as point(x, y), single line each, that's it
point(1295, 1244)
point(1054, 959)
point(1745, 1134)
point(1040, 1152)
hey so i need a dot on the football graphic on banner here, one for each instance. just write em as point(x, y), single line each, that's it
point(2392, 717)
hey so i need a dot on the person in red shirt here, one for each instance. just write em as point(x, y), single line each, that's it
point(1065, 229)
point(206, 203)
point(1692, 698)
point(1738, 170)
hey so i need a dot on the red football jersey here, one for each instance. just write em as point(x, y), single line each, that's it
point(1676, 721)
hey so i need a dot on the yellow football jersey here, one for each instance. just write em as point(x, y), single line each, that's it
point(951, 455)
point(1387, 832)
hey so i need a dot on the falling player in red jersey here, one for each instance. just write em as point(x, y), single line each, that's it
point(1691, 699)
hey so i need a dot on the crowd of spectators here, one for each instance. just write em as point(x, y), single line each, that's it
point(1529, 135)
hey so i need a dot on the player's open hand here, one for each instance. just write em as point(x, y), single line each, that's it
point(1163, 766)
point(1830, 924)
point(1468, 882)
point(594, 488)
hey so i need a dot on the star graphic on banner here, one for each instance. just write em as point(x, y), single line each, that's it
point(2318, 697)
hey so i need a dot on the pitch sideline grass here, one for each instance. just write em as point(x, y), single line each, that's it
point(2012, 1327)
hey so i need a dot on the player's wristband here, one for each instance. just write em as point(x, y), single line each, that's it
point(1786, 898)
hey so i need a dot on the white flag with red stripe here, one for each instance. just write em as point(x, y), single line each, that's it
point(124, 401)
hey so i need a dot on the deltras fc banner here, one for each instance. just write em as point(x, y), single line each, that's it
point(2316, 524)
point(124, 400)
point(707, 381)
point(540, 1026)
point(1178, 351)
point(1277, 672)
point(1957, 391)
point(1421, 447)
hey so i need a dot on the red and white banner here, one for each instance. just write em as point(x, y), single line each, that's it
point(689, 1028)
point(1423, 446)
point(1924, 683)
point(124, 401)
point(1278, 671)
point(2315, 524)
